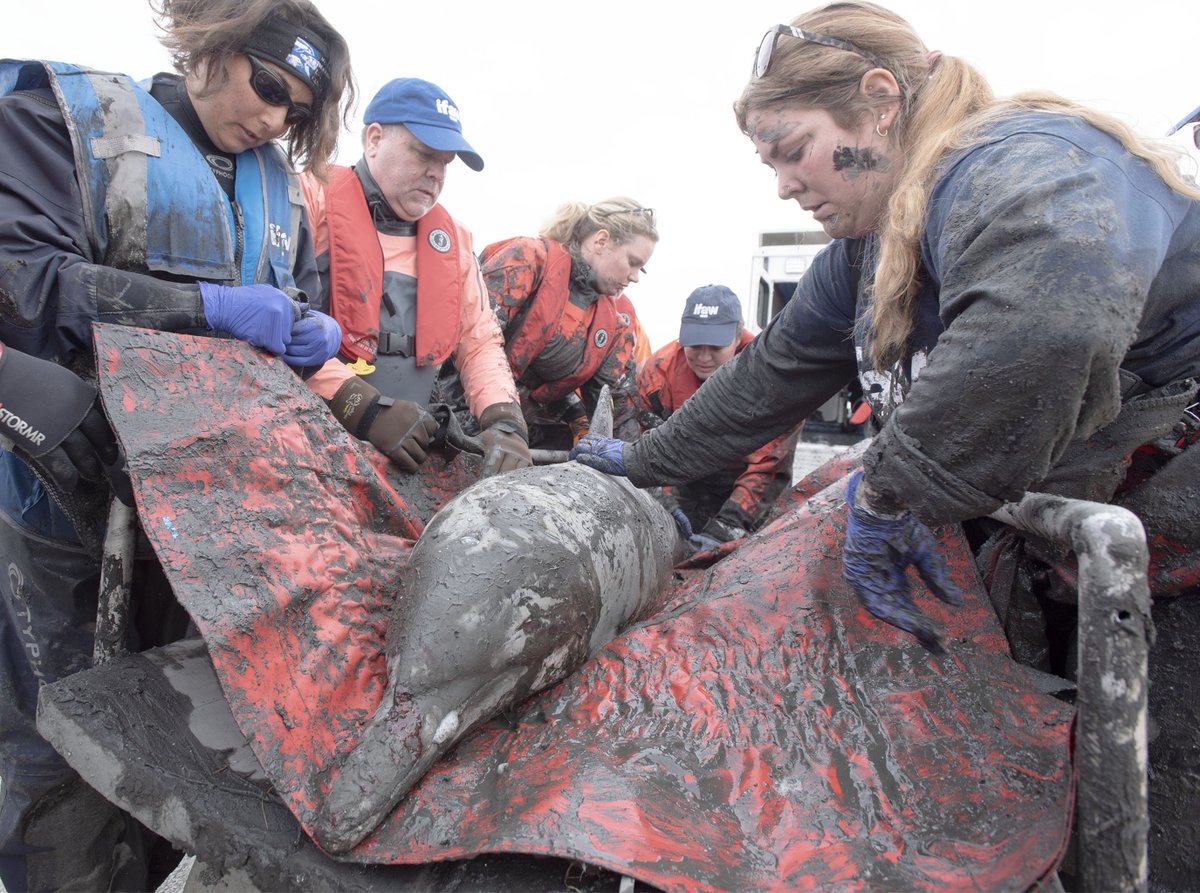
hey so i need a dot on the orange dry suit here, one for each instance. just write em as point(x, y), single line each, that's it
point(561, 336)
point(407, 295)
point(736, 499)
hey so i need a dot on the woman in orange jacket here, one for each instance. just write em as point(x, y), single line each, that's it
point(568, 327)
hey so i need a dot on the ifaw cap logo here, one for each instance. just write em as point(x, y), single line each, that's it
point(439, 240)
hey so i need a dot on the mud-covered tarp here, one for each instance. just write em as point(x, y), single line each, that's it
point(760, 731)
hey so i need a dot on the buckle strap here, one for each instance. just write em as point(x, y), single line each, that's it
point(393, 344)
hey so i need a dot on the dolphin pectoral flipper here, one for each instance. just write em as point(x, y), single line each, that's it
point(406, 736)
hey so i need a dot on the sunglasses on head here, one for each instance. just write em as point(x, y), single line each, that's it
point(272, 90)
point(766, 48)
point(649, 212)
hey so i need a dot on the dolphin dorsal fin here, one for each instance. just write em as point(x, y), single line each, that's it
point(602, 418)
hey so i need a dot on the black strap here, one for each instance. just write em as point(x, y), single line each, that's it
point(393, 344)
point(374, 408)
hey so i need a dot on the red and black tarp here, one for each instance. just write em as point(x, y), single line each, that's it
point(761, 731)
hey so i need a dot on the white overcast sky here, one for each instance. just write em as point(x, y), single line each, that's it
point(581, 101)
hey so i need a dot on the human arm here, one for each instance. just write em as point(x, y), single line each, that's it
point(479, 354)
point(803, 357)
point(55, 287)
point(1045, 246)
point(512, 271)
point(653, 392)
point(486, 378)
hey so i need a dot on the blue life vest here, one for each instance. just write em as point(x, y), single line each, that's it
point(144, 184)
point(151, 204)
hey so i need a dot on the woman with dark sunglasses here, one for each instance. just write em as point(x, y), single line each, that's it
point(1013, 281)
point(166, 206)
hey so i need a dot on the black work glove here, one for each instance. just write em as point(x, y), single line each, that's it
point(726, 526)
point(577, 420)
point(505, 439)
point(400, 429)
point(50, 417)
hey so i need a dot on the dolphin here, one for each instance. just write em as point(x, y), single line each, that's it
point(513, 584)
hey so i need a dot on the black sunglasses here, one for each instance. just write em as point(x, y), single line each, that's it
point(766, 48)
point(272, 90)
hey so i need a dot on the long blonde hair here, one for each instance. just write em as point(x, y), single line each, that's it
point(944, 105)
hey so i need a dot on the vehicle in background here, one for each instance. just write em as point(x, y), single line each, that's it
point(780, 260)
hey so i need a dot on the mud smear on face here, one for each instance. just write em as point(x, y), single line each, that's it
point(854, 161)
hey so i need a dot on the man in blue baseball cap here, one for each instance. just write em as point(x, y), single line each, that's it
point(428, 113)
point(400, 276)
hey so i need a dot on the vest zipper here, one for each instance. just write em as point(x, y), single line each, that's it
point(239, 236)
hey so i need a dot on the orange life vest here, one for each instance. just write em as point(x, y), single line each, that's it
point(545, 314)
point(356, 274)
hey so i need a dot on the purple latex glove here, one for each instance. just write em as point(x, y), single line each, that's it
point(605, 454)
point(878, 549)
point(315, 338)
point(261, 315)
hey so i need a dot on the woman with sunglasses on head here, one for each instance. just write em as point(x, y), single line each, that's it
point(1014, 282)
point(166, 205)
point(569, 328)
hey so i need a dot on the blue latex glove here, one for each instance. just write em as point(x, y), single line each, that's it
point(876, 554)
point(605, 454)
point(261, 314)
point(316, 337)
point(685, 525)
point(702, 542)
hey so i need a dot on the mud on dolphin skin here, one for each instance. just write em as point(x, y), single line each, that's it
point(510, 588)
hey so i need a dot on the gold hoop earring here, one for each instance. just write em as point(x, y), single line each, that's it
point(881, 132)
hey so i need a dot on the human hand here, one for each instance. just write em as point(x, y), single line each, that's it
point(703, 543)
point(605, 454)
point(400, 429)
point(51, 417)
point(877, 551)
point(403, 431)
point(723, 531)
point(504, 438)
point(580, 425)
point(683, 522)
point(260, 314)
point(315, 338)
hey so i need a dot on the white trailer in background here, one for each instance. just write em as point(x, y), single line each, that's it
point(779, 261)
point(781, 258)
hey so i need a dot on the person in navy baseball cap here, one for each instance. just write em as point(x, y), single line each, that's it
point(427, 111)
point(712, 317)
